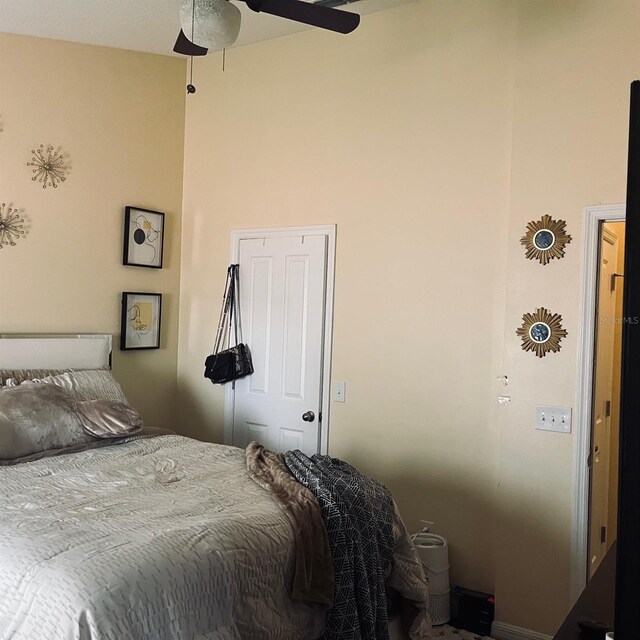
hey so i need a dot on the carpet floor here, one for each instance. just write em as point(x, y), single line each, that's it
point(445, 632)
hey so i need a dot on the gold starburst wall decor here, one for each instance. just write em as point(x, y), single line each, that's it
point(49, 166)
point(541, 332)
point(11, 226)
point(545, 239)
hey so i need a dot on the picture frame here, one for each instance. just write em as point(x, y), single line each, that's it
point(141, 320)
point(143, 238)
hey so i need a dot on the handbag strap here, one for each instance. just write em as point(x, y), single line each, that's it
point(230, 311)
point(237, 318)
point(224, 311)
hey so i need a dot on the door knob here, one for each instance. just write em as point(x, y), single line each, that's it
point(309, 416)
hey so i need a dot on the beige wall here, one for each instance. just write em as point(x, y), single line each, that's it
point(120, 117)
point(400, 134)
point(430, 136)
point(575, 62)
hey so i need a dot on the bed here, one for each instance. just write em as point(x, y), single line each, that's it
point(145, 536)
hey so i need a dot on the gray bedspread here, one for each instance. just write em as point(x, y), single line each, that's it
point(163, 538)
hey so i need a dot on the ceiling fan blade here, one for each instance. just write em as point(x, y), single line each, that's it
point(185, 47)
point(308, 13)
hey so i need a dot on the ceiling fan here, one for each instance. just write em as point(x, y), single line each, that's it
point(215, 24)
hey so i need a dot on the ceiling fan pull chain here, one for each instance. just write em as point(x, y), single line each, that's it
point(191, 87)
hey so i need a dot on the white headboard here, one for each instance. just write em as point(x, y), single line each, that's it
point(55, 351)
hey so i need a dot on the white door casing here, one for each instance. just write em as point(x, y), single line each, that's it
point(603, 383)
point(593, 216)
point(286, 300)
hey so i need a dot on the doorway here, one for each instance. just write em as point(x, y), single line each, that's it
point(592, 491)
point(286, 304)
point(605, 415)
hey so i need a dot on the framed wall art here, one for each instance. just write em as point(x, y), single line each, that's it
point(140, 321)
point(143, 238)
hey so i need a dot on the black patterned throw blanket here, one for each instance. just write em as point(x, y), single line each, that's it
point(358, 513)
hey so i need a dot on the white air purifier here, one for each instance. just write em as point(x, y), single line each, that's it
point(433, 552)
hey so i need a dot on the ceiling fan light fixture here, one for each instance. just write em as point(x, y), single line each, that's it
point(215, 25)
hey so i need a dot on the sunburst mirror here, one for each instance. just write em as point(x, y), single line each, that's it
point(541, 332)
point(545, 239)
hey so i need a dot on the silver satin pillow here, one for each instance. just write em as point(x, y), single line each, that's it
point(89, 384)
point(38, 418)
point(106, 419)
point(41, 417)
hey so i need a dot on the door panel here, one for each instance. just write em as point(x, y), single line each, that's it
point(256, 432)
point(282, 300)
point(291, 439)
point(258, 312)
point(295, 323)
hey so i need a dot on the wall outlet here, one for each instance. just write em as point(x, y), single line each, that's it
point(339, 390)
point(556, 419)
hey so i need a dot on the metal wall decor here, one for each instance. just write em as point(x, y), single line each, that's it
point(49, 166)
point(541, 332)
point(11, 226)
point(545, 239)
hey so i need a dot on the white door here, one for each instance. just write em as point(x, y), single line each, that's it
point(602, 396)
point(282, 303)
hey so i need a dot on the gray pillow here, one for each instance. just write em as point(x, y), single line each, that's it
point(38, 418)
point(18, 376)
point(90, 384)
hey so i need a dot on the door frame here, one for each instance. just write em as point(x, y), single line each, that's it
point(593, 217)
point(328, 230)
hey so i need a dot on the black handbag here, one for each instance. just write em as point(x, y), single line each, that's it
point(235, 361)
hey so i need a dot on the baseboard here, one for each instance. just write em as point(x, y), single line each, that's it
point(504, 631)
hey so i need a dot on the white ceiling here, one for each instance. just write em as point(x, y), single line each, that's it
point(141, 25)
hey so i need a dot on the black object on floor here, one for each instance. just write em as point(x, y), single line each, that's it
point(597, 601)
point(593, 630)
point(472, 610)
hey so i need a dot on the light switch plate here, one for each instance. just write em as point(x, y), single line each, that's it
point(339, 391)
point(556, 419)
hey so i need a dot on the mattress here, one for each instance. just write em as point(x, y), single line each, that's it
point(159, 538)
